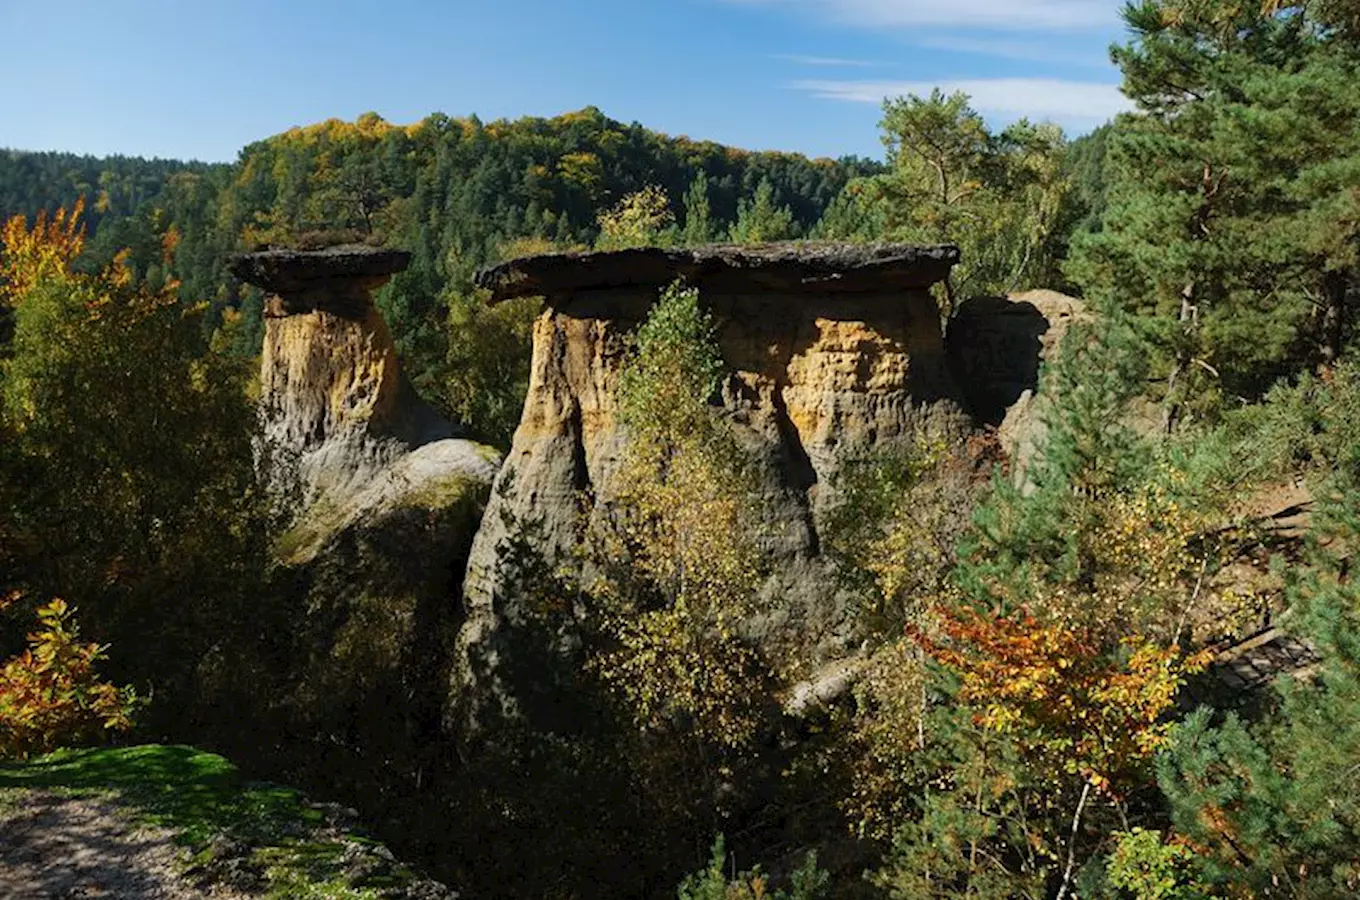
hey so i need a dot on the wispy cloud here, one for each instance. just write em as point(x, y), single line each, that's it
point(830, 62)
point(1029, 51)
point(1034, 98)
point(1023, 15)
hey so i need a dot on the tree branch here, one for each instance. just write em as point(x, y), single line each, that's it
point(1072, 843)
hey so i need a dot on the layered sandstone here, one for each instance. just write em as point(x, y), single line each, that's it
point(833, 351)
point(338, 416)
point(388, 499)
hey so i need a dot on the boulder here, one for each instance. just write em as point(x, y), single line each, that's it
point(997, 348)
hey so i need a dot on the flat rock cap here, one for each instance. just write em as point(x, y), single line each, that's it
point(285, 271)
point(796, 266)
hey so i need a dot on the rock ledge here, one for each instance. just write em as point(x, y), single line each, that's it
point(821, 266)
point(307, 279)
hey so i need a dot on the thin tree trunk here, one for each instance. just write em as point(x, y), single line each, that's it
point(973, 842)
point(950, 300)
point(1072, 843)
point(1335, 286)
point(1189, 320)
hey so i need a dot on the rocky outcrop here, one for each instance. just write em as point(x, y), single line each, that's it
point(834, 351)
point(339, 418)
point(349, 691)
point(997, 347)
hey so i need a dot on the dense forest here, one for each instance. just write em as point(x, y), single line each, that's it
point(1038, 714)
point(457, 193)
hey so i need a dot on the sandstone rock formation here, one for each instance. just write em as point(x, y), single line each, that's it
point(364, 609)
point(338, 414)
point(997, 347)
point(835, 351)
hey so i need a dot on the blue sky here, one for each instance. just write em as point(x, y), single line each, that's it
point(201, 79)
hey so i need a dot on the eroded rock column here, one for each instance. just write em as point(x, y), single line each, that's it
point(340, 419)
point(336, 407)
point(834, 351)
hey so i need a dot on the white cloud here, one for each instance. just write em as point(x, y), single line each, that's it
point(1027, 15)
point(830, 61)
point(1030, 51)
point(1012, 98)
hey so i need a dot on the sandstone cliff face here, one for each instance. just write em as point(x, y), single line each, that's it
point(997, 347)
point(338, 415)
point(834, 352)
point(363, 614)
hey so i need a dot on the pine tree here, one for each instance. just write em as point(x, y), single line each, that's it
point(699, 228)
point(1275, 804)
point(761, 218)
point(857, 214)
point(952, 181)
point(1230, 231)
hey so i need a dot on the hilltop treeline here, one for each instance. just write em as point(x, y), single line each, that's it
point(456, 192)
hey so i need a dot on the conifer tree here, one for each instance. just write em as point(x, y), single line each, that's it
point(1275, 805)
point(699, 226)
point(857, 214)
point(951, 180)
point(1230, 230)
point(761, 218)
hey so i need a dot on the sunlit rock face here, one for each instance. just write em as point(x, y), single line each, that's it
point(388, 500)
point(834, 352)
point(338, 415)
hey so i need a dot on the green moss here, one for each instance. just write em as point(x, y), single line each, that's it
point(202, 798)
point(301, 542)
point(324, 518)
point(445, 493)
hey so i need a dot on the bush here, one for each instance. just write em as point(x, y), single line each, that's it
point(50, 694)
point(807, 883)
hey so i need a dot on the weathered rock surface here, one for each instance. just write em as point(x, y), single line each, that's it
point(809, 267)
point(352, 676)
point(835, 351)
point(997, 348)
point(337, 279)
point(339, 417)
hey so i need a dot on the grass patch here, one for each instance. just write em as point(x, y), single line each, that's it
point(227, 822)
point(198, 795)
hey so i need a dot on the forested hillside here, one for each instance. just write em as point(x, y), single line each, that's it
point(458, 193)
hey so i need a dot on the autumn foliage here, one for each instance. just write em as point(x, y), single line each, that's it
point(45, 252)
point(50, 694)
point(1072, 707)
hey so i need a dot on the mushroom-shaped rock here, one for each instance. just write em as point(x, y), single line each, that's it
point(833, 351)
point(336, 279)
point(338, 413)
point(390, 498)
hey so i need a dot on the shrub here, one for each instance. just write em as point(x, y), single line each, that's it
point(50, 694)
point(807, 883)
